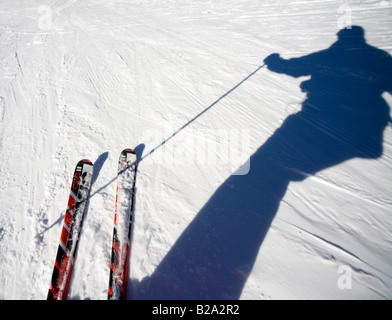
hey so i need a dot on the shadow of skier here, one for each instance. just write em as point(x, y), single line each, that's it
point(343, 117)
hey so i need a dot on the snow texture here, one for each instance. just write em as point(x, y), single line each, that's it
point(184, 83)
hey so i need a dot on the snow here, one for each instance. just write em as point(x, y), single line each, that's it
point(86, 79)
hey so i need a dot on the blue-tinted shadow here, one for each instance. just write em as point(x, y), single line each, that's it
point(343, 117)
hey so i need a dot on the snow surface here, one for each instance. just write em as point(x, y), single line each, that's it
point(86, 79)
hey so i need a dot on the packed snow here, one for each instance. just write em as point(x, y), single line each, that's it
point(263, 129)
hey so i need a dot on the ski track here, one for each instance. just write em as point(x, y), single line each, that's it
point(106, 73)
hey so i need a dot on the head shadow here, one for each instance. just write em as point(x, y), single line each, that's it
point(343, 117)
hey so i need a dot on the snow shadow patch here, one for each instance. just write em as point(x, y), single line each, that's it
point(139, 149)
point(98, 165)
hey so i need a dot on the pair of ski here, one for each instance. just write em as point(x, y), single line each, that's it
point(77, 204)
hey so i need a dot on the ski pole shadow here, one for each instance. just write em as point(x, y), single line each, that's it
point(39, 236)
point(343, 117)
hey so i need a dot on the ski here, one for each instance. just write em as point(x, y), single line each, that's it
point(77, 201)
point(123, 215)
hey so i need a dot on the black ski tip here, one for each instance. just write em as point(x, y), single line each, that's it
point(86, 161)
point(129, 150)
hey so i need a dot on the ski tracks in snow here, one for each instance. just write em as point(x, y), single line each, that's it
point(28, 120)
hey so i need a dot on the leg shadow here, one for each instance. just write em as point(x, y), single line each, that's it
point(215, 254)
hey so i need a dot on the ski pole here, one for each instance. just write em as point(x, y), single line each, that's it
point(201, 113)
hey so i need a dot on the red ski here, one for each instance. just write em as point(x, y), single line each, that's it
point(123, 216)
point(77, 201)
